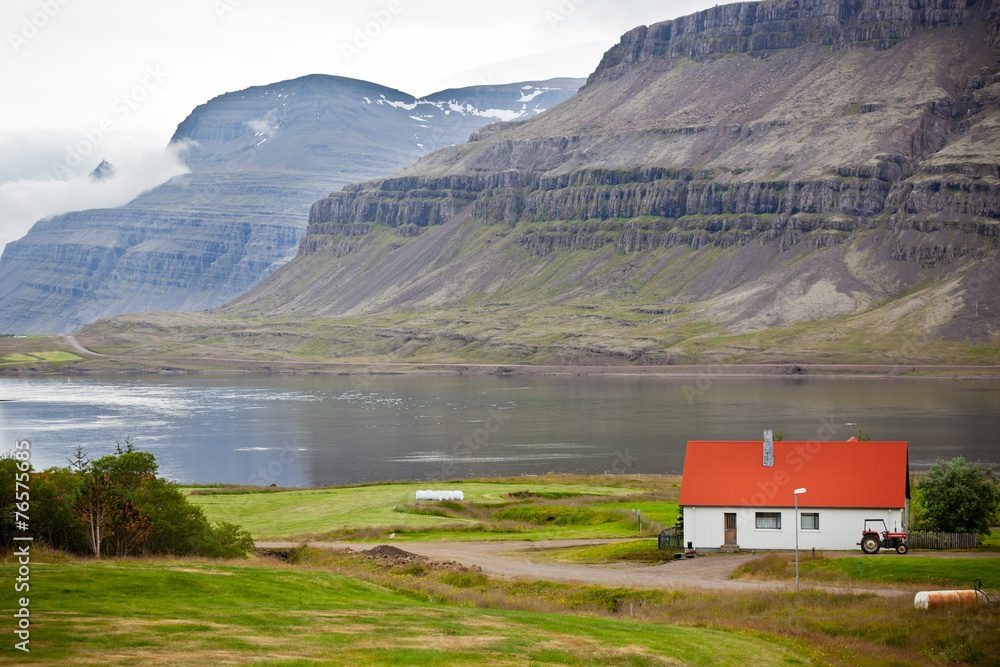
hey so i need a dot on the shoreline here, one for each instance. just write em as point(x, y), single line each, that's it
point(89, 362)
point(282, 367)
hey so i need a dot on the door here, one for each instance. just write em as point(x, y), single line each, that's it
point(731, 528)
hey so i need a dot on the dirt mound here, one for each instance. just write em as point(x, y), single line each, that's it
point(386, 552)
point(395, 557)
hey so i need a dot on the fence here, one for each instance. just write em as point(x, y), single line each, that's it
point(943, 540)
point(669, 539)
point(646, 525)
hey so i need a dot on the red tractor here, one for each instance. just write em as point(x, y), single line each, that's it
point(872, 540)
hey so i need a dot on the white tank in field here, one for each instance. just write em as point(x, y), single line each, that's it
point(440, 495)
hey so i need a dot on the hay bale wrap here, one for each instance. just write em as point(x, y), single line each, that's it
point(440, 495)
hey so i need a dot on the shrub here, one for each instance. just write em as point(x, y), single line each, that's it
point(959, 497)
point(227, 540)
point(464, 579)
point(117, 505)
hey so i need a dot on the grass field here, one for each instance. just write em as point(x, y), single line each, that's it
point(18, 359)
point(194, 613)
point(958, 572)
point(661, 512)
point(990, 542)
point(888, 569)
point(315, 513)
point(635, 551)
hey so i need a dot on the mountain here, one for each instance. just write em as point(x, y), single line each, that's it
point(762, 181)
point(258, 159)
point(104, 171)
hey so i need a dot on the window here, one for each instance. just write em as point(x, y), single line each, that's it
point(810, 521)
point(768, 520)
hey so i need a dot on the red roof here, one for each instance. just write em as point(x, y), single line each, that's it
point(834, 474)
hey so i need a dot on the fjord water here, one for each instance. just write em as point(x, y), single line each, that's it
point(317, 430)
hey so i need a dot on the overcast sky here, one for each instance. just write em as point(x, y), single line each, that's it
point(119, 75)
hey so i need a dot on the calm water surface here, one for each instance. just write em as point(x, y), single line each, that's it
point(319, 430)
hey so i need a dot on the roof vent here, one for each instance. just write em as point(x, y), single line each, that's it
point(768, 449)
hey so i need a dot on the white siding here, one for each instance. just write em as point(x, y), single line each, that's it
point(839, 529)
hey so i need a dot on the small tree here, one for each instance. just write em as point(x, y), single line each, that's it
point(128, 467)
point(79, 461)
point(53, 493)
point(960, 497)
point(95, 508)
point(128, 527)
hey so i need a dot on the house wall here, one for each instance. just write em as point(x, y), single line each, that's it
point(838, 528)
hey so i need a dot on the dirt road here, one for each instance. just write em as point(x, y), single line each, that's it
point(513, 559)
point(77, 347)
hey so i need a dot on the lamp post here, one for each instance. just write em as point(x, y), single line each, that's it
point(796, 493)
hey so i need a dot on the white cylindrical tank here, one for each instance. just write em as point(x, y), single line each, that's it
point(440, 495)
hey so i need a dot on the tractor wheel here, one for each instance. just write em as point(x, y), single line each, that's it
point(901, 548)
point(870, 544)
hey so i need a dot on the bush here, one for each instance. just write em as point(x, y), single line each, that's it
point(52, 519)
point(227, 540)
point(959, 497)
point(116, 505)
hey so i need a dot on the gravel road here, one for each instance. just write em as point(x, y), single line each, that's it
point(513, 559)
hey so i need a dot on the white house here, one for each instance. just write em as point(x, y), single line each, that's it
point(732, 500)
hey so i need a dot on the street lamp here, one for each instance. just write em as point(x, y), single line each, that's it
point(796, 493)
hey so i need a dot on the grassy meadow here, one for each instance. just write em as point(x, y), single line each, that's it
point(562, 507)
point(314, 606)
point(887, 569)
point(628, 551)
point(189, 612)
point(41, 352)
point(340, 608)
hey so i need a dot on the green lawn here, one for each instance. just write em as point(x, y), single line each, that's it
point(960, 572)
point(313, 512)
point(188, 612)
point(643, 551)
point(661, 512)
point(35, 357)
point(990, 542)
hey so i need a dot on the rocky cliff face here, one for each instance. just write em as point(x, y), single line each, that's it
point(259, 158)
point(757, 164)
point(759, 27)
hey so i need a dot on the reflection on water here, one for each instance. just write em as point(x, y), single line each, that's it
point(323, 429)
